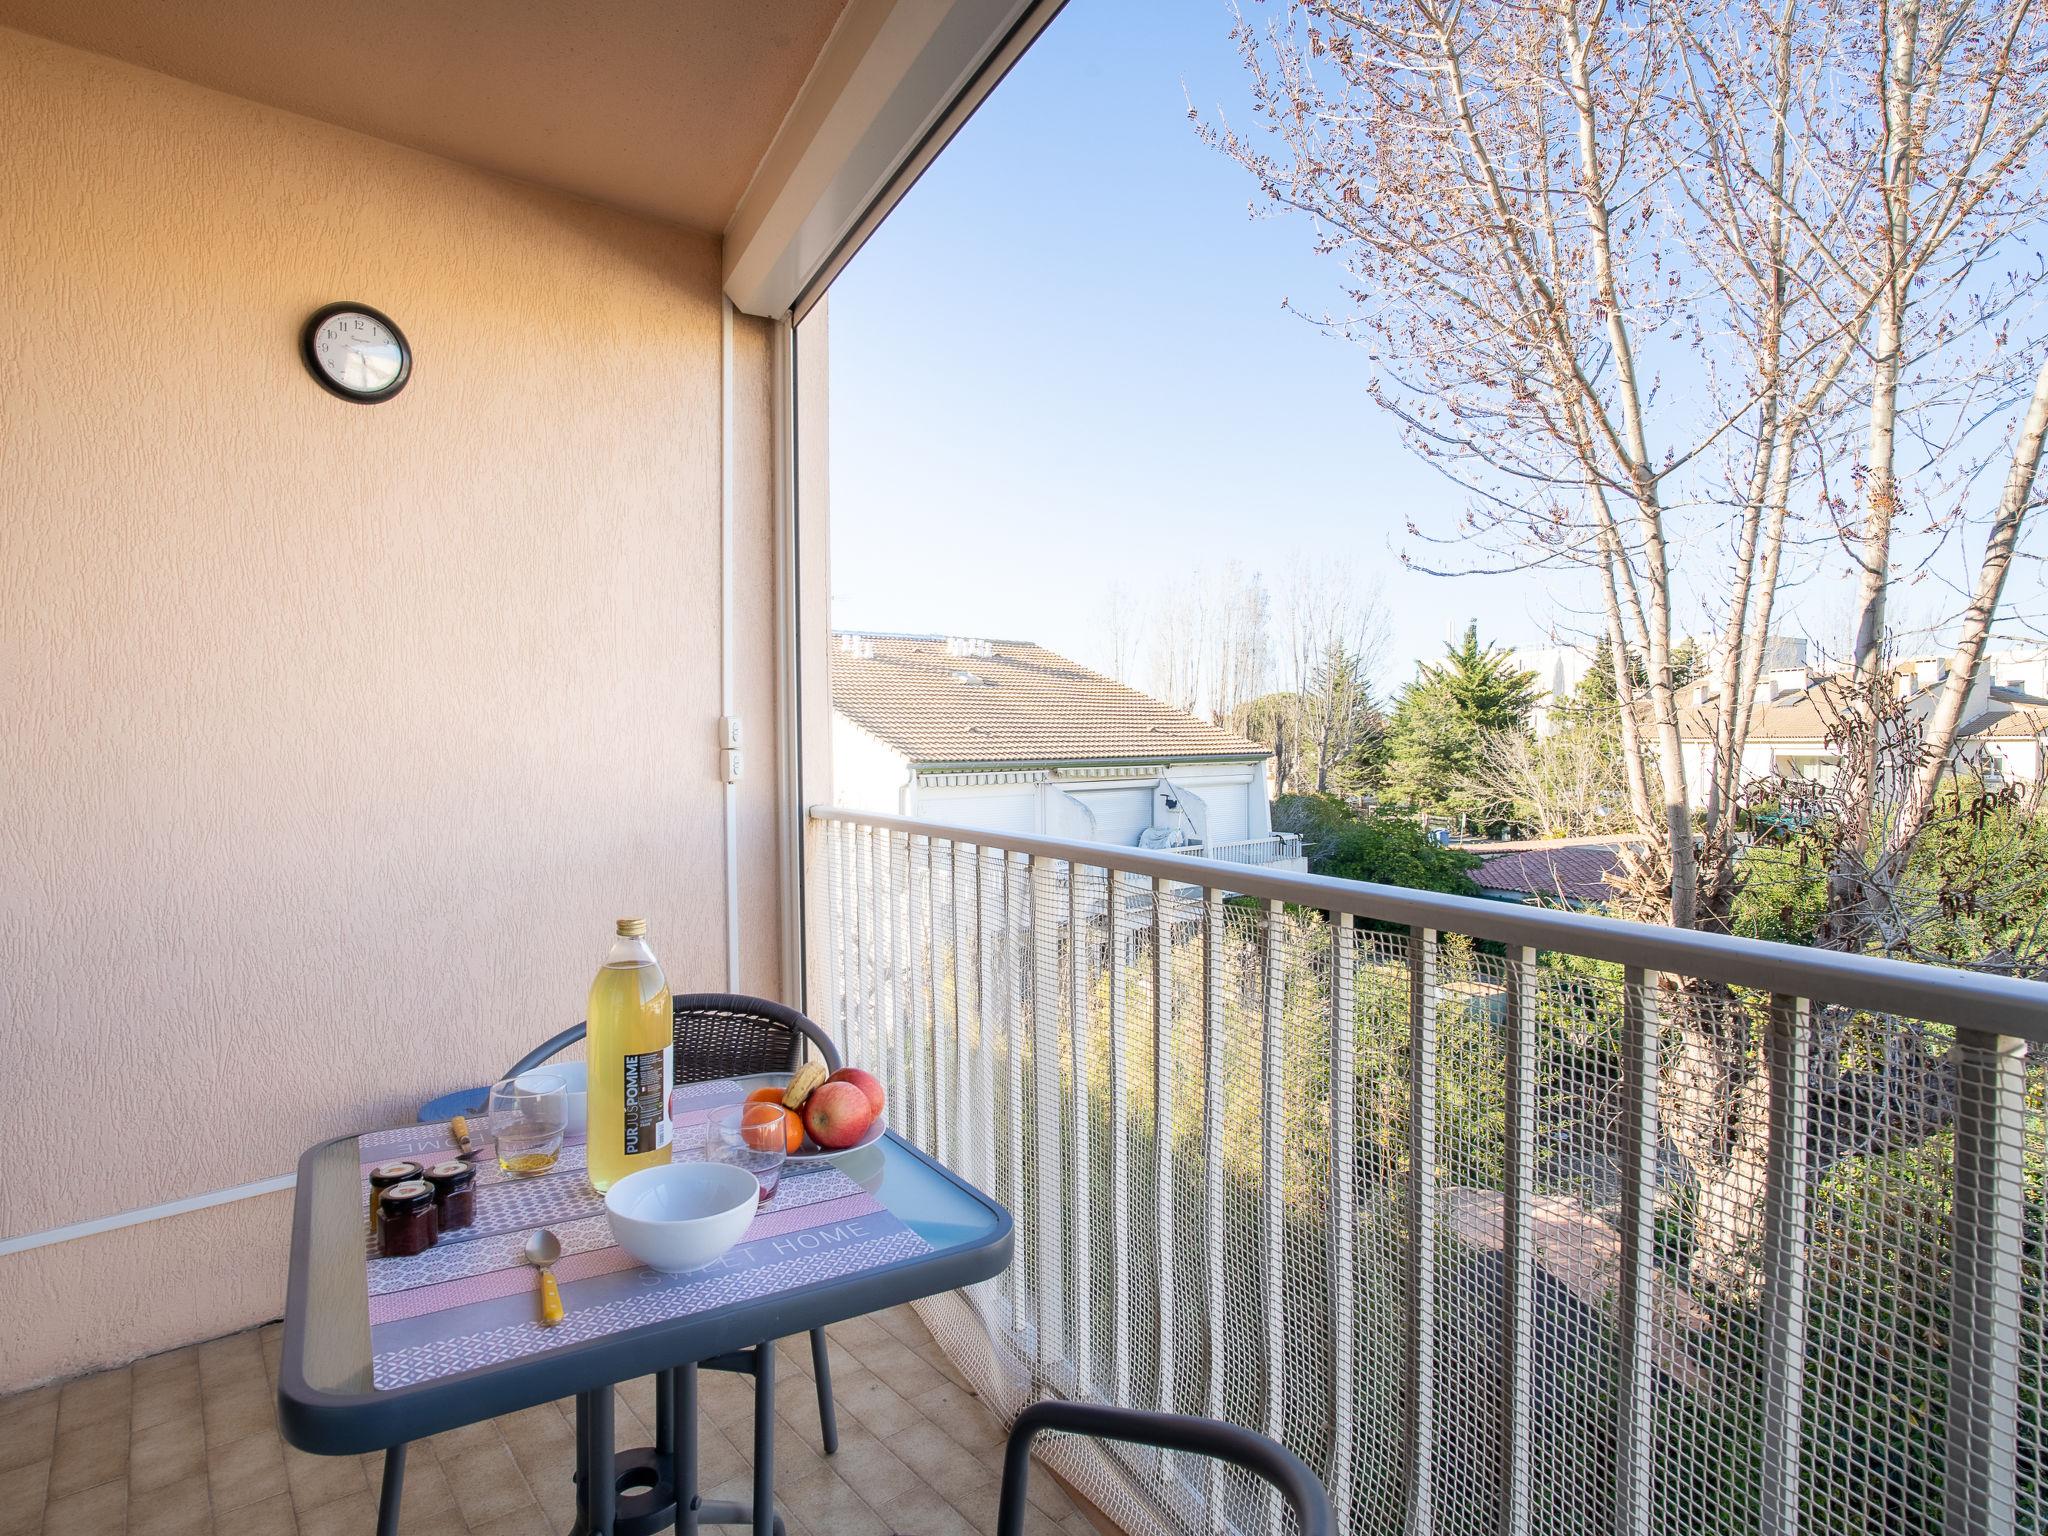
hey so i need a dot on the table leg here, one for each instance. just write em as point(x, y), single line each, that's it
point(641, 1492)
point(760, 1513)
point(392, 1491)
point(764, 1439)
point(682, 1398)
point(665, 1423)
point(582, 1465)
point(601, 1488)
point(828, 1414)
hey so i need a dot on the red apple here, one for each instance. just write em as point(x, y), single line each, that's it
point(837, 1115)
point(866, 1082)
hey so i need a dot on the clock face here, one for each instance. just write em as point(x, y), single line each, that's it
point(357, 353)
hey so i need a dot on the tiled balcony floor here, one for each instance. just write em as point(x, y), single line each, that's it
point(186, 1443)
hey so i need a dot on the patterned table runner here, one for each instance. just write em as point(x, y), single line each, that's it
point(472, 1300)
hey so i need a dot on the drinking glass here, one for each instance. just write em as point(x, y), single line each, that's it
point(529, 1116)
point(753, 1137)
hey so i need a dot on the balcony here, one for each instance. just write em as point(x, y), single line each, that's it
point(1281, 851)
point(1417, 1184)
point(340, 727)
point(1427, 1188)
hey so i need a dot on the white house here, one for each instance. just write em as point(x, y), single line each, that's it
point(1003, 735)
point(2003, 732)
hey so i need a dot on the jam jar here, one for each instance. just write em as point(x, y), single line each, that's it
point(454, 1193)
point(406, 1223)
point(384, 1175)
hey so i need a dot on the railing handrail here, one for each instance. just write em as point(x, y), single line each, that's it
point(1963, 999)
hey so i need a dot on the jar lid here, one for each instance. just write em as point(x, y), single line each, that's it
point(391, 1173)
point(410, 1192)
point(454, 1171)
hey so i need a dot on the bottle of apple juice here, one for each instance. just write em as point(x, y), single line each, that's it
point(631, 1041)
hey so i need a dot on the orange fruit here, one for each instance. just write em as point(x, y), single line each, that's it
point(766, 1127)
point(759, 1130)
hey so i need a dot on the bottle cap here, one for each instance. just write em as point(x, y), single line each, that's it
point(632, 927)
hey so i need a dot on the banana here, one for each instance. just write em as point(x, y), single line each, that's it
point(807, 1077)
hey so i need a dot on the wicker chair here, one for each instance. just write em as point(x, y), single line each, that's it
point(727, 1034)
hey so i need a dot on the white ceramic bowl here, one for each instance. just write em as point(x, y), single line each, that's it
point(682, 1216)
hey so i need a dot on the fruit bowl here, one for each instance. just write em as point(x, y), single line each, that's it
point(826, 1114)
point(682, 1216)
point(811, 1152)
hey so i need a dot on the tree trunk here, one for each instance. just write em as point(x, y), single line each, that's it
point(1677, 808)
point(1715, 1110)
point(1880, 486)
point(1938, 743)
point(1773, 434)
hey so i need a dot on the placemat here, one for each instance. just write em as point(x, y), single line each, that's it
point(472, 1299)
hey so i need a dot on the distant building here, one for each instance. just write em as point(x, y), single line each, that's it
point(1006, 736)
point(2003, 733)
point(1560, 669)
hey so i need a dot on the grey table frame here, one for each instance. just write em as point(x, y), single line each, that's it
point(335, 1410)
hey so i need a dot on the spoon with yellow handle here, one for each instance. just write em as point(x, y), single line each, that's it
point(542, 1250)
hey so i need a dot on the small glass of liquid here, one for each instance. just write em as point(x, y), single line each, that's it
point(529, 1117)
point(753, 1137)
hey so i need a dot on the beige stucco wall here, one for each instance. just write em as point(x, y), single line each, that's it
point(332, 737)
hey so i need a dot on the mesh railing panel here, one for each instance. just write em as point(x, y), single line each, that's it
point(1496, 1240)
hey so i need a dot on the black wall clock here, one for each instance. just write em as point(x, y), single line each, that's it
point(356, 352)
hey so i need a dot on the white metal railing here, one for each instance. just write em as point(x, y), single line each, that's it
point(1276, 848)
point(1504, 1219)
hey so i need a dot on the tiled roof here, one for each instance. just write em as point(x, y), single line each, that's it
point(1007, 701)
point(1803, 716)
point(2000, 694)
point(2004, 725)
point(1576, 871)
point(1809, 714)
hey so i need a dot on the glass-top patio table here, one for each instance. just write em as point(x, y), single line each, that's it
point(375, 1358)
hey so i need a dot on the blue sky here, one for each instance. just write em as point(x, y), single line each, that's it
point(1061, 369)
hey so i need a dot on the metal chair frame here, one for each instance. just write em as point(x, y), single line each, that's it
point(1263, 1457)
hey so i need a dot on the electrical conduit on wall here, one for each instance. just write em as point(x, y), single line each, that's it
point(725, 657)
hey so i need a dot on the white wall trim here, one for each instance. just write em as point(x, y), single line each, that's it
point(136, 1218)
point(965, 780)
point(1137, 773)
point(725, 628)
point(789, 735)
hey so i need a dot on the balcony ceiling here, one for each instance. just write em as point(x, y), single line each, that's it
point(661, 106)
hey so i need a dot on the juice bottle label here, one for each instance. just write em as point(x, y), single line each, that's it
point(647, 1122)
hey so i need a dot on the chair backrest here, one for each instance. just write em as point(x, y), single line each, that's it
point(724, 1034)
point(721, 1034)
